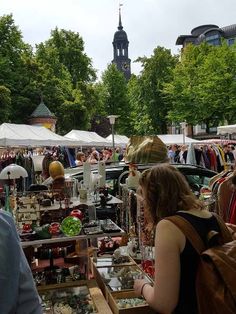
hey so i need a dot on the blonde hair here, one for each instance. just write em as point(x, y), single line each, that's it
point(166, 191)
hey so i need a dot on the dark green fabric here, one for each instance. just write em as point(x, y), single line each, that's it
point(146, 149)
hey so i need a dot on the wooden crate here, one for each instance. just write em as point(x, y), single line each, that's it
point(105, 286)
point(100, 282)
point(105, 262)
point(113, 296)
point(94, 265)
point(98, 299)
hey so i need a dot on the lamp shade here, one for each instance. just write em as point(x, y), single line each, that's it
point(13, 171)
point(112, 118)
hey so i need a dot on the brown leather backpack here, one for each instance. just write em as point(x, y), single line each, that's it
point(216, 275)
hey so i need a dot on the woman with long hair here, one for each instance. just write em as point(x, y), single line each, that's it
point(165, 192)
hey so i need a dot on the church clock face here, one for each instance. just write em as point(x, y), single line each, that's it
point(125, 66)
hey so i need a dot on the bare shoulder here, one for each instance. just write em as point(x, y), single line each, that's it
point(166, 225)
point(167, 230)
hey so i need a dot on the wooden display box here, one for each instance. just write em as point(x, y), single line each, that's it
point(100, 282)
point(105, 286)
point(95, 293)
point(94, 266)
point(106, 261)
point(113, 296)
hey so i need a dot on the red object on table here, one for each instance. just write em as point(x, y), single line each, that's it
point(27, 228)
point(77, 213)
point(148, 267)
point(54, 228)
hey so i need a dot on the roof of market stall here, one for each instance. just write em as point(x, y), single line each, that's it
point(16, 135)
point(120, 140)
point(176, 139)
point(226, 129)
point(87, 138)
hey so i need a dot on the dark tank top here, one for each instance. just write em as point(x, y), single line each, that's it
point(189, 260)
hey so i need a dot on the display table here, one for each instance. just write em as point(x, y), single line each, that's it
point(83, 296)
point(116, 283)
point(74, 202)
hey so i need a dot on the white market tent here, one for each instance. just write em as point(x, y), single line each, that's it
point(120, 140)
point(176, 139)
point(218, 141)
point(226, 129)
point(15, 135)
point(86, 138)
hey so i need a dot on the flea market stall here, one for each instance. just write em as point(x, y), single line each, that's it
point(119, 140)
point(86, 138)
point(178, 139)
point(228, 131)
point(20, 143)
point(23, 135)
point(66, 245)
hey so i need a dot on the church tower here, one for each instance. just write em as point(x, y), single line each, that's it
point(120, 50)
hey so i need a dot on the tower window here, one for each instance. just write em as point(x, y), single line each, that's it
point(123, 51)
point(118, 52)
point(231, 41)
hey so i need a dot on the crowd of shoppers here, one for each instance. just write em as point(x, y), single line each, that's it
point(93, 155)
point(213, 157)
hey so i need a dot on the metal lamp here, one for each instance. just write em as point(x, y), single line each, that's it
point(183, 126)
point(112, 120)
point(13, 171)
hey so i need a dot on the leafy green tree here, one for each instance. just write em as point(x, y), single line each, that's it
point(216, 89)
point(99, 122)
point(115, 98)
point(157, 71)
point(203, 86)
point(78, 112)
point(13, 70)
point(5, 104)
point(69, 47)
point(65, 79)
point(140, 119)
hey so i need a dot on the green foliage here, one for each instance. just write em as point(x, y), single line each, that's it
point(203, 86)
point(59, 70)
point(148, 101)
point(69, 48)
point(115, 98)
point(140, 119)
point(13, 69)
point(198, 87)
point(64, 79)
point(5, 104)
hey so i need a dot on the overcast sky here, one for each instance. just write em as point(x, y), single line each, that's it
point(148, 23)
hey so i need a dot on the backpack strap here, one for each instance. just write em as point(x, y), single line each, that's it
point(225, 233)
point(189, 231)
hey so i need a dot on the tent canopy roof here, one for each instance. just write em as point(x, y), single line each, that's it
point(226, 129)
point(120, 140)
point(87, 138)
point(28, 135)
point(176, 139)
